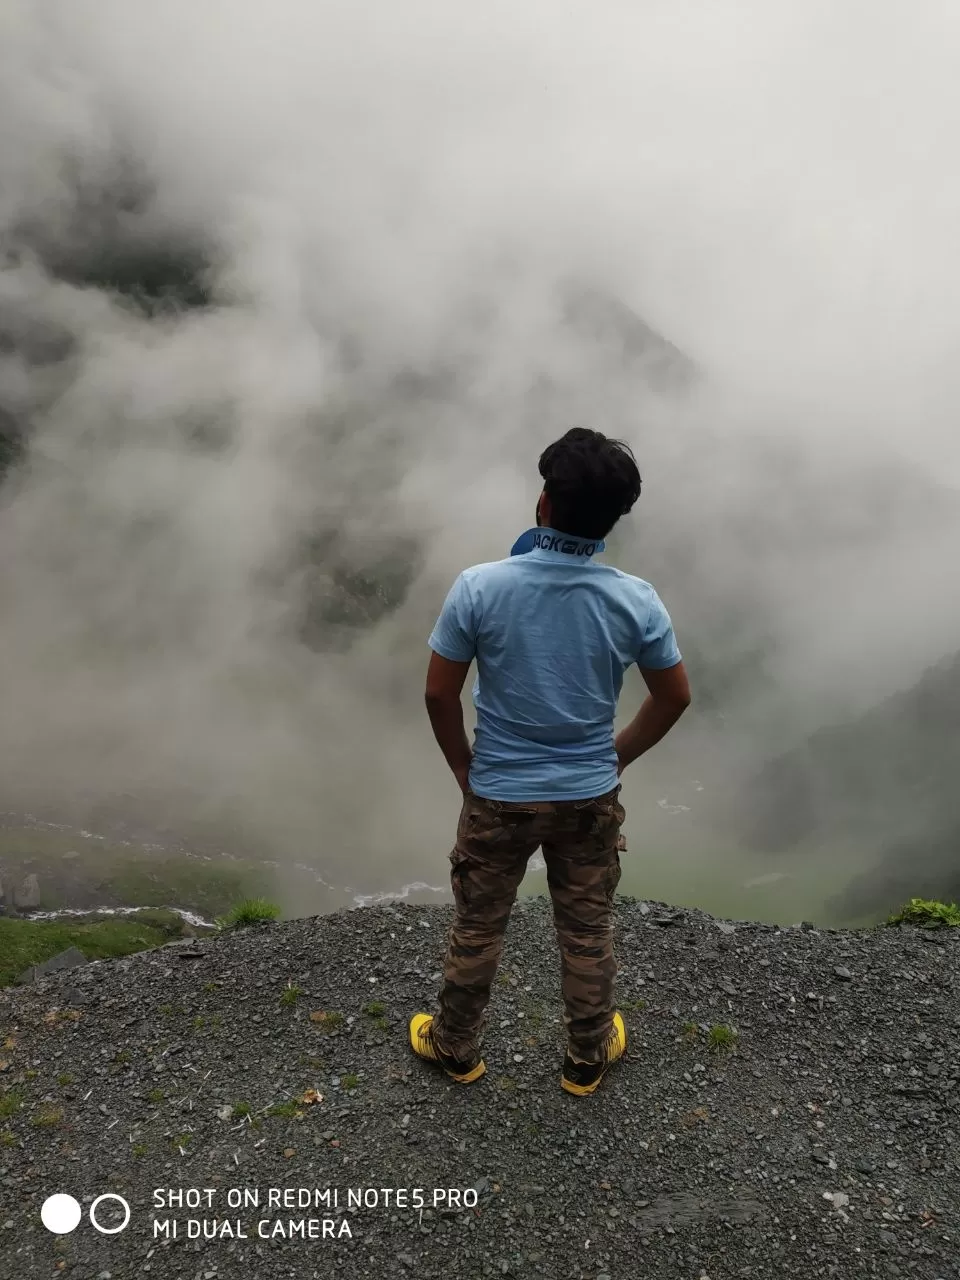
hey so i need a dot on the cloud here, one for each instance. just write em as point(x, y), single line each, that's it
point(283, 314)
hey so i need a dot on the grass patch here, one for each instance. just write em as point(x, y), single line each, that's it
point(24, 943)
point(10, 1103)
point(8, 1139)
point(48, 1116)
point(291, 994)
point(349, 1081)
point(241, 1110)
point(375, 1009)
point(64, 1080)
point(927, 914)
point(156, 1096)
point(327, 1020)
point(139, 1149)
point(722, 1039)
point(285, 1110)
point(249, 912)
point(689, 1031)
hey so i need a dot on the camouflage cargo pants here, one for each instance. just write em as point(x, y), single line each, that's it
point(581, 843)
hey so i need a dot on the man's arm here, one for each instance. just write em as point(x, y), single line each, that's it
point(445, 681)
point(668, 698)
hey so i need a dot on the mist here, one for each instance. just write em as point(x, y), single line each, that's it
point(286, 319)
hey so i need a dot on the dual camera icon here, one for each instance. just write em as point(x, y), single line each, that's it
point(61, 1214)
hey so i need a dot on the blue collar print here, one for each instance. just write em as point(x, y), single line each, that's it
point(551, 541)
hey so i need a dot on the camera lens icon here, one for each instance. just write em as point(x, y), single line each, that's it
point(61, 1214)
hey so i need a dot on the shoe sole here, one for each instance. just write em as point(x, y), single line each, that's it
point(468, 1078)
point(580, 1090)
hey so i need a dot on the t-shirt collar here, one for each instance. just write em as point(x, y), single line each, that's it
point(553, 545)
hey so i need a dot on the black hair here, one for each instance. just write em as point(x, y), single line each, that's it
point(591, 482)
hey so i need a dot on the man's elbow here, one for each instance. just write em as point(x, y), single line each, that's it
point(438, 699)
point(674, 703)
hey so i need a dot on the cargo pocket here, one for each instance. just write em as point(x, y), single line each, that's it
point(478, 819)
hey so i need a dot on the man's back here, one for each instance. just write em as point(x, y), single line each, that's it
point(552, 631)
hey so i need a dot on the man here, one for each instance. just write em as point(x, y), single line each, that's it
point(552, 632)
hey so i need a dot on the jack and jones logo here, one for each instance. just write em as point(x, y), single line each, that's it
point(569, 546)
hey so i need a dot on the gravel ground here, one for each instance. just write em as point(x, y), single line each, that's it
point(824, 1142)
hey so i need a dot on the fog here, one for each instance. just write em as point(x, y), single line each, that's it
point(284, 300)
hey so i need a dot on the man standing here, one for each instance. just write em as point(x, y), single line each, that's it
point(552, 631)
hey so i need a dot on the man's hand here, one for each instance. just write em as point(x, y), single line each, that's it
point(445, 681)
point(668, 698)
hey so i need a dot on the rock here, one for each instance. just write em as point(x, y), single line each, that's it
point(72, 958)
point(843, 973)
point(27, 897)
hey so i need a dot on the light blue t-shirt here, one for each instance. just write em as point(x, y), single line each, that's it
point(553, 632)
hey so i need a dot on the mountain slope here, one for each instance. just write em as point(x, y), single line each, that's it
point(886, 781)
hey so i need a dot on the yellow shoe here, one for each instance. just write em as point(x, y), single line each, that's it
point(423, 1045)
point(581, 1078)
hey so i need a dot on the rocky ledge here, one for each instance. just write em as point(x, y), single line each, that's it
point(789, 1105)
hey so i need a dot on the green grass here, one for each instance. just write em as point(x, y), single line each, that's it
point(241, 1110)
point(10, 1103)
point(8, 1139)
point(251, 911)
point(722, 1039)
point(286, 1110)
point(28, 942)
point(375, 1009)
point(329, 1021)
point(349, 1081)
point(927, 914)
point(291, 994)
point(156, 1096)
point(48, 1116)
